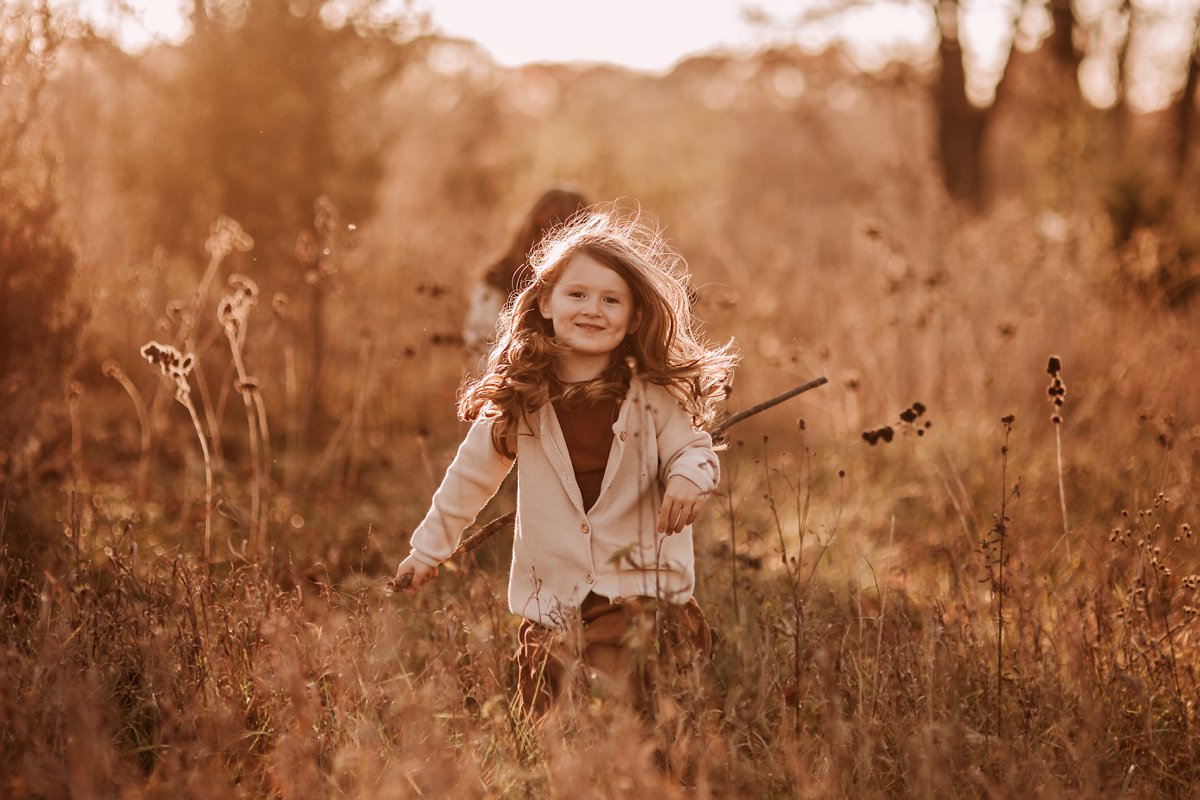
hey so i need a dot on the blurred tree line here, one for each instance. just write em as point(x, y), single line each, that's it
point(269, 105)
point(1145, 166)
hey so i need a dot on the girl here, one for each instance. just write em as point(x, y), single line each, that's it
point(597, 388)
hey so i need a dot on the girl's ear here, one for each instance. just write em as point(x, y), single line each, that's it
point(543, 303)
point(636, 321)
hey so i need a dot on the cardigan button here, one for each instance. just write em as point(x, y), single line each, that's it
point(623, 436)
point(589, 578)
point(585, 528)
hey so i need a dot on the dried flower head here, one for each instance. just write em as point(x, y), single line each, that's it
point(325, 216)
point(885, 434)
point(173, 365)
point(227, 236)
point(306, 249)
point(1056, 392)
point(233, 311)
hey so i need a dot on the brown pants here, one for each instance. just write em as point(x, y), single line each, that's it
point(622, 646)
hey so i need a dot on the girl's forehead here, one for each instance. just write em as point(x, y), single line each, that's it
point(583, 269)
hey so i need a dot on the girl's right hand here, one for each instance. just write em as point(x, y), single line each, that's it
point(421, 573)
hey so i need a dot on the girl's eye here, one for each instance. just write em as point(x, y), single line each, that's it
point(574, 294)
point(613, 300)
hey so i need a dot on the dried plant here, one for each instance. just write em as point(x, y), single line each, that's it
point(112, 369)
point(1057, 394)
point(175, 367)
point(233, 312)
point(995, 551)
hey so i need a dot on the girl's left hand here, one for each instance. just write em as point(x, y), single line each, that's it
point(681, 505)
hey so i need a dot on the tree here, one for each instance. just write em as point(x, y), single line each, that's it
point(269, 108)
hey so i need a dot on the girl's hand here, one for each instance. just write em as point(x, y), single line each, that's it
point(681, 505)
point(421, 574)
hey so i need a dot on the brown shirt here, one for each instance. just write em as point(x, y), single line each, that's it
point(587, 430)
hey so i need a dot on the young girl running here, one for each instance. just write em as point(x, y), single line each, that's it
point(597, 388)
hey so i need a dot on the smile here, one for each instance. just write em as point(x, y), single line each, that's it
point(588, 327)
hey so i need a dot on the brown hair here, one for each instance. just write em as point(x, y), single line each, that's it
point(511, 273)
point(666, 349)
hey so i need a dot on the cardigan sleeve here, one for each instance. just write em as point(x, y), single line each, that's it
point(470, 482)
point(682, 450)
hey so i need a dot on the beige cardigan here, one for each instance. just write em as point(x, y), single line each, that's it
point(560, 553)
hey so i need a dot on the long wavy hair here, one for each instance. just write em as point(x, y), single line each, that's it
point(667, 347)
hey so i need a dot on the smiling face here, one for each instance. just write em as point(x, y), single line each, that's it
point(591, 308)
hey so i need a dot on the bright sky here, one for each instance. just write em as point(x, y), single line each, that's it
point(642, 34)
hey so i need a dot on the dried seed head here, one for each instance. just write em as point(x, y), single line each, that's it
point(171, 364)
point(325, 216)
point(244, 285)
point(1057, 390)
point(306, 249)
point(225, 237)
point(233, 312)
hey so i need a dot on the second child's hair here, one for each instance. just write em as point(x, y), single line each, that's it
point(667, 348)
point(510, 272)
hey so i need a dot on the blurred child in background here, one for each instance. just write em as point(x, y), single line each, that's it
point(510, 273)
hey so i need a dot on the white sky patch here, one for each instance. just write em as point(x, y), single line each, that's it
point(653, 35)
point(149, 21)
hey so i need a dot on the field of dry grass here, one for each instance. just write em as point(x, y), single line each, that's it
point(969, 600)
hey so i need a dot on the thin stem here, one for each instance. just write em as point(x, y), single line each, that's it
point(116, 373)
point(1062, 492)
point(208, 475)
point(252, 422)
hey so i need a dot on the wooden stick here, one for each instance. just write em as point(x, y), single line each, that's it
point(475, 540)
point(764, 405)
